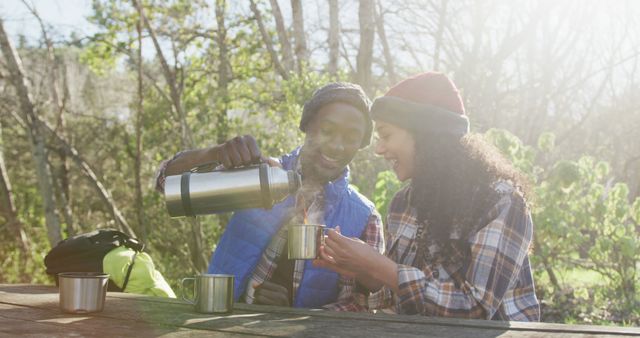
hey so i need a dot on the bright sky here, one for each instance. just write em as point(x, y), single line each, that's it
point(64, 15)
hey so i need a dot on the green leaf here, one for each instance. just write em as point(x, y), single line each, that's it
point(635, 211)
point(546, 142)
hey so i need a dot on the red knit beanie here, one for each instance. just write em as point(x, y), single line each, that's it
point(425, 102)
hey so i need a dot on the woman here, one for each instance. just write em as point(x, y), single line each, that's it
point(459, 234)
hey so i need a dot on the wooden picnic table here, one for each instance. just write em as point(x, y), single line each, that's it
point(32, 310)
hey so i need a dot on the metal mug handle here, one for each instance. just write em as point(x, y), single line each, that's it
point(188, 300)
point(323, 237)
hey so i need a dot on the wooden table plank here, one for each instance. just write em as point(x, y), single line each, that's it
point(476, 324)
point(136, 310)
point(159, 316)
point(33, 322)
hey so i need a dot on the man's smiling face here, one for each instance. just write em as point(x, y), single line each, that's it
point(333, 138)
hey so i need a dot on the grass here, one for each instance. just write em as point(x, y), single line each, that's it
point(576, 278)
point(586, 298)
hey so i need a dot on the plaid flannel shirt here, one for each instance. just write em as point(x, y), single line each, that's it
point(347, 298)
point(496, 283)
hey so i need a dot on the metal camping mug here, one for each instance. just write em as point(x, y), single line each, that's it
point(212, 293)
point(82, 292)
point(304, 240)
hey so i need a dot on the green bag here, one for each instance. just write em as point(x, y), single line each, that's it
point(143, 278)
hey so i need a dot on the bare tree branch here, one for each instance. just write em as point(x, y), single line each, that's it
point(334, 37)
point(379, 19)
point(283, 37)
point(86, 169)
point(39, 154)
point(298, 34)
point(170, 77)
point(366, 14)
point(267, 41)
point(7, 206)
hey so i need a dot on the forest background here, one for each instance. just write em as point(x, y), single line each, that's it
point(87, 116)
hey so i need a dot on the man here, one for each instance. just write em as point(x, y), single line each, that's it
point(337, 124)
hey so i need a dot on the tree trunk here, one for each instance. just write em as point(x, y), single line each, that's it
point(388, 59)
point(365, 50)
point(170, 77)
point(197, 252)
point(267, 41)
point(283, 37)
point(62, 173)
point(61, 198)
point(298, 34)
point(471, 50)
point(442, 19)
point(14, 64)
point(60, 178)
point(8, 206)
point(65, 182)
point(223, 73)
point(334, 37)
point(122, 223)
point(142, 228)
point(548, 268)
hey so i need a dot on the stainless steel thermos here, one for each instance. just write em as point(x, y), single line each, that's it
point(259, 186)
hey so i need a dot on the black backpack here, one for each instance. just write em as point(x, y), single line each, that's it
point(84, 253)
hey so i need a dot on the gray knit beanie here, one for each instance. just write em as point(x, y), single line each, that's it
point(344, 92)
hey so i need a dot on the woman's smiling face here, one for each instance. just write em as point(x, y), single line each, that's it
point(397, 145)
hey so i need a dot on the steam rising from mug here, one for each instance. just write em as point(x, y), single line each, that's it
point(260, 186)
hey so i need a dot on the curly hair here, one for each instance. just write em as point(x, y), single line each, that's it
point(452, 189)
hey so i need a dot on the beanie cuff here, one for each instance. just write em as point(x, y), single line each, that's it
point(420, 117)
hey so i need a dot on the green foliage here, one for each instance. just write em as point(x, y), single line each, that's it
point(546, 142)
point(522, 156)
point(387, 184)
point(100, 58)
point(583, 219)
